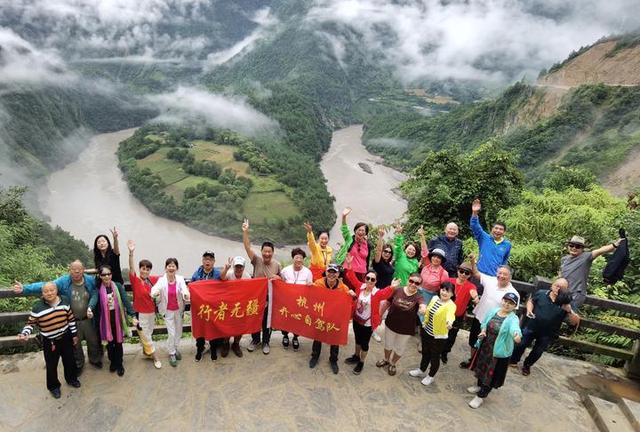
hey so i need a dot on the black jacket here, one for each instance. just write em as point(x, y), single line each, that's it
point(618, 262)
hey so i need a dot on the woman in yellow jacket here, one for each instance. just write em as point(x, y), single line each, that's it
point(438, 320)
point(321, 252)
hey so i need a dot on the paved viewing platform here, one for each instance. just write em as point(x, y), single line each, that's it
point(279, 392)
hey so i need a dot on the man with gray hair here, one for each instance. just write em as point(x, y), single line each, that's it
point(452, 247)
point(575, 267)
point(77, 286)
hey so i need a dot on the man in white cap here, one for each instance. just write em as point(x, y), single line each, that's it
point(575, 267)
point(238, 263)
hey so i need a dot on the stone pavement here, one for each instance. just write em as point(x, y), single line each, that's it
point(280, 392)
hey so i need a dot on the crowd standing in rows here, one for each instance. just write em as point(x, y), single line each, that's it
point(401, 284)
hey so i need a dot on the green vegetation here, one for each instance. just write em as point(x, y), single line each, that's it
point(190, 178)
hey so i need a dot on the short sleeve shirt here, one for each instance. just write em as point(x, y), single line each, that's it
point(549, 316)
point(576, 271)
point(299, 277)
point(492, 296)
point(402, 312)
point(262, 270)
point(463, 295)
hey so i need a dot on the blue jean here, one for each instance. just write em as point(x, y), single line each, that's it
point(542, 342)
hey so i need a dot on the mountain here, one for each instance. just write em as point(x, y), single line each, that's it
point(584, 112)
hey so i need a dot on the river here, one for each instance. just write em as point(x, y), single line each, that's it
point(89, 196)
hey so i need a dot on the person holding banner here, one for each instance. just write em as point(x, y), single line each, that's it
point(208, 272)
point(143, 303)
point(366, 314)
point(172, 291)
point(238, 264)
point(296, 274)
point(332, 282)
point(263, 266)
point(321, 252)
point(401, 320)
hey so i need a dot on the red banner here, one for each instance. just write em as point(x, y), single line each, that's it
point(227, 308)
point(317, 313)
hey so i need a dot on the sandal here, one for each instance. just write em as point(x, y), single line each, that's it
point(382, 363)
point(392, 369)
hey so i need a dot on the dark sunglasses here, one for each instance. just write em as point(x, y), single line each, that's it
point(370, 279)
point(575, 246)
point(415, 282)
point(105, 274)
point(465, 272)
point(386, 251)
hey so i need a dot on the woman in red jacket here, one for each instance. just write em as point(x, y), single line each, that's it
point(366, 312)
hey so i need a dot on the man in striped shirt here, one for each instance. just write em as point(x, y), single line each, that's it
point(53, 316)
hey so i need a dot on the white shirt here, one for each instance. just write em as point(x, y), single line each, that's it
point(492, 296)
point(363, 307)
point(300, 277)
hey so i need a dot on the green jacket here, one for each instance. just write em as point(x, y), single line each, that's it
point(404, 265)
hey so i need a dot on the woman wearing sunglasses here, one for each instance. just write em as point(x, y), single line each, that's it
point(401, 320)
point(465, 293)
point(366, 312)
point(112, 308)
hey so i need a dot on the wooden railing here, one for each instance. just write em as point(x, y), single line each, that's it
point(631, 357)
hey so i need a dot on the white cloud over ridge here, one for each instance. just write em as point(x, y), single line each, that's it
point(475, 39)
point(197, 105)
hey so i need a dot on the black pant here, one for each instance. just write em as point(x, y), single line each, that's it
point(266, 332)
point(542, 342)
point(200, 344)
point(286, 333)
point(53, 350)
point(484, 390)
point(474, 332)
point(453, 334)
point(362, 334)
point(333, 352)
point(431, 350)
point(115, 353)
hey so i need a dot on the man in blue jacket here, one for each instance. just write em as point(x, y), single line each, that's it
point(452, 246)
point(78, 287)
point(494, 247)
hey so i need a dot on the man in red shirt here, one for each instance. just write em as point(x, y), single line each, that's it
point(465, 292)
point(143, 303)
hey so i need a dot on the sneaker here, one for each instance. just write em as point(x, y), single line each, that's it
point(476, 402)
point(265, 349)
point(473, 389)
point(352, 360)
point(56, 393)
point(75, 384)
point(295, 343)
point(198, 355)
point(224, 350)
point(416, 373)
point(428, 380)
point(444, 357)
point(313, 362)
point(465, 364)
point(252, 346)
point(157, 364)
point(214, 355)
point(235, 347)
point(334, 367)
point(285, 341)
point(358, 368)
point(120, 371)
point(178, 355)
point(173, 361)
point(377, 337)
point(526, 370)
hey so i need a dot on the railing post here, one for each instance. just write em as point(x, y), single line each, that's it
point(632, 367)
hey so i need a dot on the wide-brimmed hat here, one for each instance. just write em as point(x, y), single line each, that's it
point(439, 253)
point(578, 240)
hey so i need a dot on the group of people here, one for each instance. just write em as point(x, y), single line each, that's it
point(403, 285)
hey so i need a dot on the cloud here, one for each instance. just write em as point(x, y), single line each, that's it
point(21, 62)
point(474, 39)
point(266, 23)
point(192, 104)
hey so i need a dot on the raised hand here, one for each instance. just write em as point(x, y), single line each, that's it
point(346, 211)
point(476, 206)
point(421, 231)
point(381, 230)
point(308, 227)
point(114, 232)
point(245, 225)
point(131, 245)
point(472, 258)
point(228, 263)
point(398, 228)
point(17, 287)
point(395, 283)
